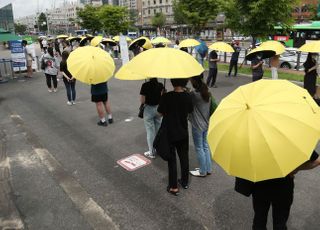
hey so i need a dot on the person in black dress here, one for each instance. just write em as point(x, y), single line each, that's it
point(175, 106)
point(310, 77)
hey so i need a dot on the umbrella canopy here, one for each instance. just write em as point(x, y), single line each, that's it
point(108, 41)
point(164, 63)
point(143, 42)
point(125, 73)
point(222, 46)
point(89, 36)
point(84, 40)
point(96, 41)
point(273, 45)
point(62, 36)
point(261, 51)
point(8, 37)
point(91, 65)
point(189, 43)
point(71, 39)
point(117, 38)
point(162, 40)
point(311, 47)
point(264, 130)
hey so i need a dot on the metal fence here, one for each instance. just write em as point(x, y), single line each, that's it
point(7, 71)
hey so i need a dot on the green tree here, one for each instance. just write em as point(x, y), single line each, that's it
point(88, 18)
point(114, 19)
point(133, 18)
point(197, 13)
point(158, 20)
point(257, 18)
point(178, 15)
point(20, 28)
point(42, 22)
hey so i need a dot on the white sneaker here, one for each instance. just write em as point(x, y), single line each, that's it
point(50, 90)
point(150, 155)
point(73, 102)
point(69, 103)
point(55, 90)
point(196, 173)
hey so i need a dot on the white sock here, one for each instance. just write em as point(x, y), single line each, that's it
point(109, 116)
point(103, 119)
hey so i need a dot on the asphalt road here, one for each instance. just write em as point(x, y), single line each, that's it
point(64, 170)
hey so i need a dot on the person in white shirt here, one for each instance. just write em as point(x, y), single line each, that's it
point(29, 58)
point(44, 45)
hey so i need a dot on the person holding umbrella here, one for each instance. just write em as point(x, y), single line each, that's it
point(256, 67)
point(310, 77)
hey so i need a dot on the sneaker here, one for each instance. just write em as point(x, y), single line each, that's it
point(69, 103)
point(110, 120)
point(185, 186)
point(214, 86)
point(196, 173)
point(150, 155)
point(73, 102)
point(100, 123)
point(55, 90)
point(50, 90)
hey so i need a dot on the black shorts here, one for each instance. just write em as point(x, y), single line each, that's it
point(99, 98)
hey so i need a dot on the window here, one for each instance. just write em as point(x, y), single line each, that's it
point(154, 1)
point(149, 11)
point(160, 1)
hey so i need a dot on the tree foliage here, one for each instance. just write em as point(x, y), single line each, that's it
point(20, 28)
point(158, 20)
point(42, 22)
point(257, 18)
point(178, 15)
point(114, 19)
point(196, 13)
point(111, 19)
point(89, 18)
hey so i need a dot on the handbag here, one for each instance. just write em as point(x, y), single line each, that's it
point(161, 142)
point(141, 110)
point(243, 186)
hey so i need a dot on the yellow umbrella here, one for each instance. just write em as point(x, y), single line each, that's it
point(91, 65)
point(96, 40)
point(273, 45)
point(71, 39)
point(124, 73)
point(62, 36)
point(108, 41)
point(142, 42)
point(262, 51)
point(221, 46)
point(311, 47)
point(163, 63)
point(162, 40)
point(117, 38)
point(189, 43)
point(264, 130)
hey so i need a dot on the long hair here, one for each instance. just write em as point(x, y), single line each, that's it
point(201, 87)
point(309, 62)
point(154, 81)
point(50, 51)
point(64, 55)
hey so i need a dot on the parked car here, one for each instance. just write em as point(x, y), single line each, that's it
point(288, 60)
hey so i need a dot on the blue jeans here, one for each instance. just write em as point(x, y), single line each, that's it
point(202, 150)
point(70, 87)
point(152, 122)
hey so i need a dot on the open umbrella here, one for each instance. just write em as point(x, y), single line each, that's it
point(163, 63)
point(143, 42)
point(96, 41)
point(117, 38)
point(221, 46)
point(261, 51)
point(108, 41)
point(84, 40)
point(62, 36)
point(273, 45)
point(162, 40)
point(125, 73)
point(189, 43)
point(264, 130)
point(71, 39)
point(311, 47)
point(91, 65)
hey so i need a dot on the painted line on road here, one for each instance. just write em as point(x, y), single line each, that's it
point(92, 212)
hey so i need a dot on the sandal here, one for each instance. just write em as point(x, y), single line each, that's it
point(175, 193)
point(185, 186)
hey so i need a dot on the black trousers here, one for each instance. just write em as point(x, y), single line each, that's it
point(54, 80)
point(235, 65)
point(212, 76)
point(256, 78)
point(280, 197)
point(182, 148)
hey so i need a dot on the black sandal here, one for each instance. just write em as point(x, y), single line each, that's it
point(183, 185)
point(172, 192)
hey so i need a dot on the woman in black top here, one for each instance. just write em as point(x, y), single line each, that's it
point(68, 80)
point(310, 77)
point(150, 96)
point(175, 107)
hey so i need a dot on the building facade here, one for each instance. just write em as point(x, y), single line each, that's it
point(306, 10)
point(151, 7)
point(29, 21)
point(6, 18)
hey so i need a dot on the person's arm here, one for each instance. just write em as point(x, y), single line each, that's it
point(312, 68)
point(142, 99)
point(257, 65)
point(311, 164)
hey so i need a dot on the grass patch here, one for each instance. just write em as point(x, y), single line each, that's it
point(291, 76)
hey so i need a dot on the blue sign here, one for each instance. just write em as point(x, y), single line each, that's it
point(17, 54)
